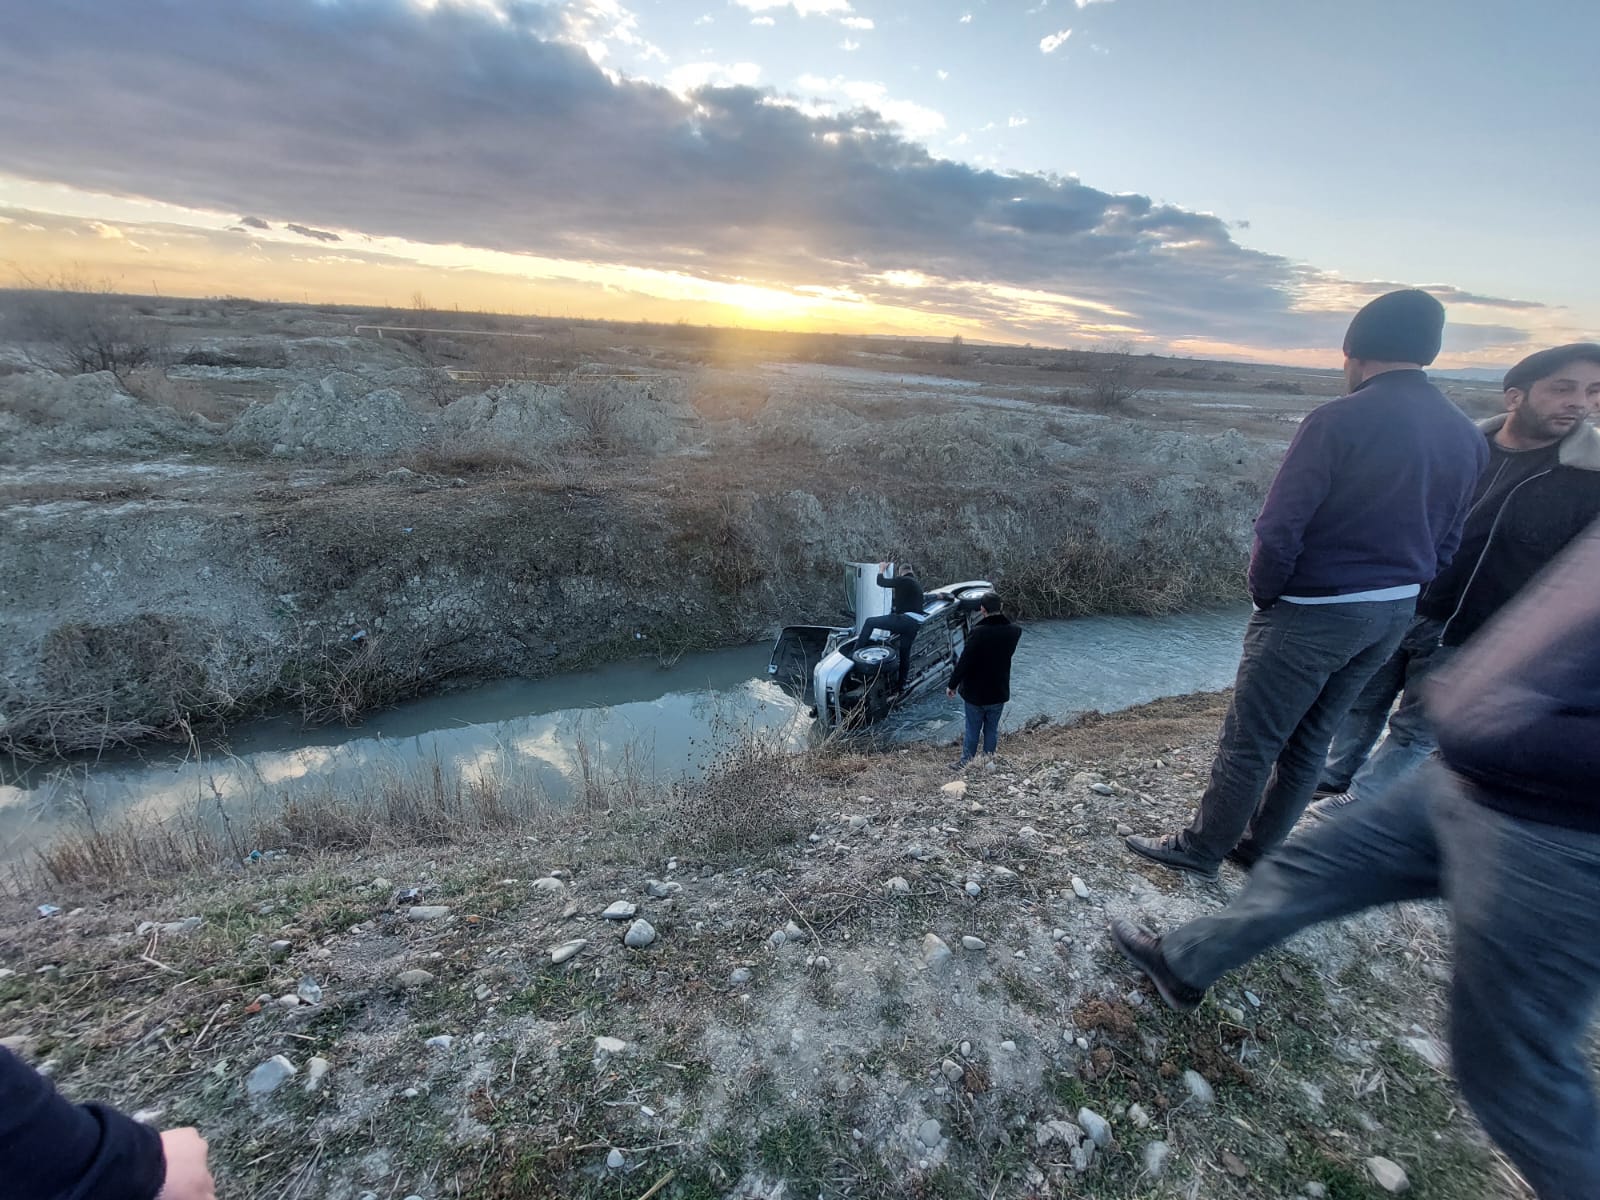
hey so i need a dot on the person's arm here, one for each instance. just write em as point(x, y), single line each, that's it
point(51, 1149)
point(1445, 551)
point(962, 665)
point(1298, 490)
point(1522, 699)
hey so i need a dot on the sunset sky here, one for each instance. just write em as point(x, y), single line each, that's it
point(1231, 178)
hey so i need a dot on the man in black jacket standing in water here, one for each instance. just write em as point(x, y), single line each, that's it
point(1505, 826)
point(983, 676)
point(908, 599)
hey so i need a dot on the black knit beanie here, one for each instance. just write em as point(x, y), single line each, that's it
point(1405, 326)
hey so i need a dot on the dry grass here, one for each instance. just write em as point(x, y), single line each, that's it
point(186, 397)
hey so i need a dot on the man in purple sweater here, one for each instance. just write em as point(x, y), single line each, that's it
point(51, 1149)
point(1505, 826)
point(1366, 508)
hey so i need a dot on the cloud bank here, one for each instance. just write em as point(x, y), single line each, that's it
point(465, 124)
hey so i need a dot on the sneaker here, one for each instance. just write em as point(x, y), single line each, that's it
point(960, 764)
point(1321, 810)
point(1170, 851)
point(1143, 949)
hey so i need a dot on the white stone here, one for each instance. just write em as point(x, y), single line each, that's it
point(270, 1076)
point(1199, 1088)
point(560, 954)
point(620, 911)
point(427, 912)
point(1080, 888)
point(289, 1000)
point(1138, 1116)
point(952, 1070)
point(929, 1134)
point(1390, 1175)
point(898, 885)
point(1009, 1046)
point(279, 950)
point(549, 883)
point(955, 789)
point(935, 953)
point(414, 978)
point(614, 1159)
point(316, 1071)
point(441, 1042)
point(973, 943)
point(661, 889)
point(858, 823)
point(1155, 1159)
point(640, 934)
point(309, 991)
point(1102, 789)
point(739, 976)
point(1096, 1126)
point(974, 888)
point(609, 1045)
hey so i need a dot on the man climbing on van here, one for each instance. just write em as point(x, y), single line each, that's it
point(982, 676)
point(1539, 491)
point(908, 599)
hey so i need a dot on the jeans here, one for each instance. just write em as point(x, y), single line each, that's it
point(905, 628)
point(1525, 909)
point(1349, 769)
point(984, 718)
point(1302, 666)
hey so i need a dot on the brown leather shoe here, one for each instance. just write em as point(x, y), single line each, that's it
point(1143, 949)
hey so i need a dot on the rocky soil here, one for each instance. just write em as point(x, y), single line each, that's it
point(898, 986)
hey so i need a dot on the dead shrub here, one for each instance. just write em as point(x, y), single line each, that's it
point(751, 800)
point(70, 325)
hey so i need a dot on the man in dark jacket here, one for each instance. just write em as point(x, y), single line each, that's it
point(1506, 827)
point(908, 599)
point(1366, 509)
point(982, 676)
point(1539, 491)
point(51, 1149)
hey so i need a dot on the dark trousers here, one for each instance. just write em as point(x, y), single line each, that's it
point(984, 719)
point(1302, 666)
point(1410, 740)
point(1525, 910)
point(904, 627)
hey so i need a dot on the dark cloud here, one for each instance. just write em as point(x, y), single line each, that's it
point(451, 126)
point(321, 235)
point(254, 223)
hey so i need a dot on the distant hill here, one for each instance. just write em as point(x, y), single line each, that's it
point(1484, 374)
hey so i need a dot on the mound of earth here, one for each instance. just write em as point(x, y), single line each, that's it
point(343, 416)
point(43, 414)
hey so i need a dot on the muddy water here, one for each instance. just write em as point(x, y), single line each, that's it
point(658, 722)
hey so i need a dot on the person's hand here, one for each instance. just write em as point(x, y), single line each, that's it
point(950, 692)
point(188, 1177)
point(882, 567)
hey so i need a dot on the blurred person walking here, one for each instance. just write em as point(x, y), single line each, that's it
point(1365, 509)
point(1505, 827)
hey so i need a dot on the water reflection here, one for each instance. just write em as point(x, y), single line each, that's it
point(547, 734)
